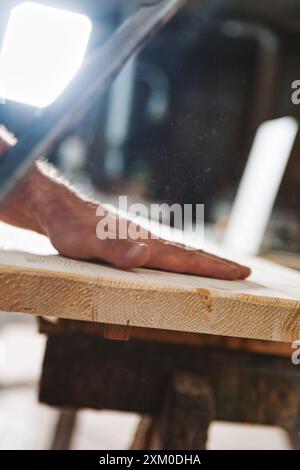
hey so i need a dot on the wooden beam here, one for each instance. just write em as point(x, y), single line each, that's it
point(53, 326)
point(137, 376)
point(267, 306)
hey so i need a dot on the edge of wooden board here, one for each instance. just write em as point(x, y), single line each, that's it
point(106, 300)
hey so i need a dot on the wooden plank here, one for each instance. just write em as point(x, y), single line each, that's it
point(290, 260)
point(52, 326)
point(265, 307)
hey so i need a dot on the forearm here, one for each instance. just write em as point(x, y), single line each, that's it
point(38, 198)
point(29, 205)
point(46, 204)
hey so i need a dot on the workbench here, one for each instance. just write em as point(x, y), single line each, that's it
point(189, 350)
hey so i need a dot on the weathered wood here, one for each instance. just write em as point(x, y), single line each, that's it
point(186, 414)
point(247, 387)
point(267, 306)
point(64, 430)
point(143, 438)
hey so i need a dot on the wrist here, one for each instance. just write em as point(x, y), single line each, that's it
point(15, 208)
point(42, 200)
point(49, 197)
point(21, 208)
point(32, 203)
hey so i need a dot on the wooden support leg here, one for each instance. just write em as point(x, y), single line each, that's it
point(143, 437)
point(186, 414)
point(294, 438)
point(64, 430)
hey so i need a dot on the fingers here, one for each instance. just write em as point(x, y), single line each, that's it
point(169, 257)
point(176, 258)
point(245, 271)
point(154, 253)
point(123, 253)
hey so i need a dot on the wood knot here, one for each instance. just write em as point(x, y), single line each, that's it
point(205, 298)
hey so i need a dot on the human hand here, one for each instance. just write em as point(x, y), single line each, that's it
point(46, 204)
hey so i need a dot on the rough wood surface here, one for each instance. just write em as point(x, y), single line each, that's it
point(186, 414)
point(267, 306)
point(246, 387)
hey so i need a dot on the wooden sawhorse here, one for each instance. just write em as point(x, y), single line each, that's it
point(179, 382)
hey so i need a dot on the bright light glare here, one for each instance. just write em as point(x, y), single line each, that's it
point(42, 50)
point(260, 184)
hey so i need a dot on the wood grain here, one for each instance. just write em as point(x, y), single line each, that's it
point(267, 306)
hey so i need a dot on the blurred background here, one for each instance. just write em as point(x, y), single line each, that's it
point(180, 121)
point(177, 126)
